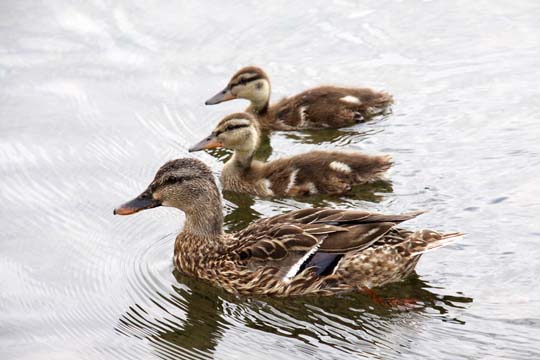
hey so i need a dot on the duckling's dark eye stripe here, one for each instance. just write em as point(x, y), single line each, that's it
point(230, 128)
point(246, 80)
point(234, 127)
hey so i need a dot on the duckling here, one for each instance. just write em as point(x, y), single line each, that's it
point(320, 107)
point(308, 251)
point(316, 172)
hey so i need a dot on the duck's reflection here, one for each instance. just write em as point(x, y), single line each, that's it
point(341, 137)
point(187, 320)
point(194, 316)
point(333, 136)
point(240, 211)
point(203, 316)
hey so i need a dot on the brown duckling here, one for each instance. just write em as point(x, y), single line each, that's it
point(309, 251)
point(316, 172)
point(320, 107)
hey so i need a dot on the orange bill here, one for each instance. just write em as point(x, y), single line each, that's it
point(211, 142)
point(141, 202)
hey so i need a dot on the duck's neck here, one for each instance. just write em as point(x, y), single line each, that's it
point(259, 107)
point(204, 223)
point(242, 159)
point(203, 227)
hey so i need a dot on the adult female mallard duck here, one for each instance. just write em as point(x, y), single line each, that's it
point(323, 172)
point(308, 251)
point(320, 107)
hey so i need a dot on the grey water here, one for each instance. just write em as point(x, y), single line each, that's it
point(96, 95)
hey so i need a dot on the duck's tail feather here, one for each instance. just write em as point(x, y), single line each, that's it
point(435, 241)
point(385, 99)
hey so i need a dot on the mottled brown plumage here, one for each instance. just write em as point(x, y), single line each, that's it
point(323, 172)
point(320, 107)
point(309, 251)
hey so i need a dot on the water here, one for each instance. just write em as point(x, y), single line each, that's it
point(94, 97)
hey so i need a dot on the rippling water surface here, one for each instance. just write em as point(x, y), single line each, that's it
point(95, 96)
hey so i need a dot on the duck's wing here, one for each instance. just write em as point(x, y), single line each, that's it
point(311, 238)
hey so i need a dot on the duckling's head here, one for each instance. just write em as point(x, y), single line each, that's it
point(239, 132)
point(186, 184)
point(249, 83)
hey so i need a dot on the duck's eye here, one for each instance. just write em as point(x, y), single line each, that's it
point(172, 180)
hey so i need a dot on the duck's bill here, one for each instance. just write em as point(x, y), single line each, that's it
point(141, 202)
point(223, 95)
point(211, 142)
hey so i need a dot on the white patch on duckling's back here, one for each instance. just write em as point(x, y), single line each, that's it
point(267, 184)
point(303, 115)
point(351, 99)
point(312, 188)
point(341, 167)
point(292, 180)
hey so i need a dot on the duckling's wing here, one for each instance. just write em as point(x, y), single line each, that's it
point(330, 106)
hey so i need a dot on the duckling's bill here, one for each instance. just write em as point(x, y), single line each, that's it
point(141, 202)
point(210, 142)
point(223, 95)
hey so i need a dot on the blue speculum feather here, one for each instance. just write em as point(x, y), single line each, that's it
point(322, 262)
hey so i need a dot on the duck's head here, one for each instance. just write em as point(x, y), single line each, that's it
point(249, 83)
point(186, 184)
point(239, 132)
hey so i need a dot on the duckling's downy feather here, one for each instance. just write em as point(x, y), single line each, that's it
point(320, 107)
point(315, 172)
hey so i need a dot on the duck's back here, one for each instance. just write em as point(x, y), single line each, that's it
point(326, 251)
point(323, 172)
point(324, 107)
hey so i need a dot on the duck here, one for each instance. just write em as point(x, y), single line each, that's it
point(320, 107)
point(311, 251)
point(315, 172)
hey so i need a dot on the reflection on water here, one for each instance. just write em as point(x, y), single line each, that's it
point(352, 324)
point(337, 137)
point(240, 211)
point(340, 138)
point(193, 325)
